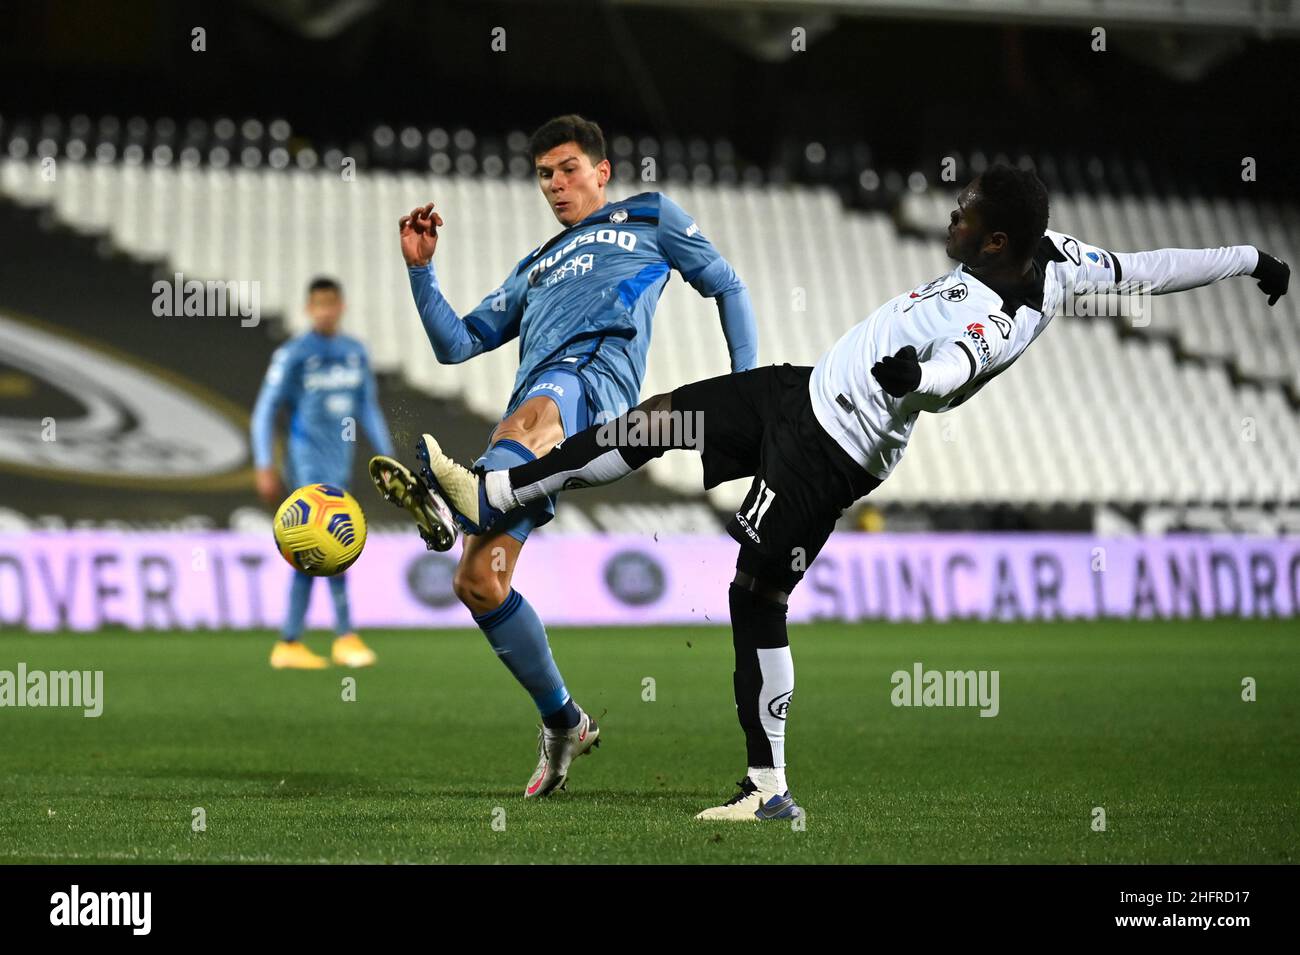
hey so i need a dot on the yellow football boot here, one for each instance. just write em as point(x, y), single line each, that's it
point(349, 651)
point(293, 655)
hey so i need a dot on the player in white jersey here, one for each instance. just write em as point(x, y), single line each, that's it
point(952, 336)
point(817, 439)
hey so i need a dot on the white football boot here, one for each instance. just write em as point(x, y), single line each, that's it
point(556, 749)
point(752, 803)
point(463, 490)
point(399, 486)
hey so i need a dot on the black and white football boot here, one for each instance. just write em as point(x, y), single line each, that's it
point(401, 487)
point(753, 804)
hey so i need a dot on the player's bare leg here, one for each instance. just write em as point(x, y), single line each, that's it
point(535, 424)
point(486, 569)
point(482, 582)
point(764, 675)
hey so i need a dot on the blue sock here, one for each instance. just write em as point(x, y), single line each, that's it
point(519, 639)
point(342, 616)
point(521, 643)
point(565, 718)
point(504, 455)
point(299, 595)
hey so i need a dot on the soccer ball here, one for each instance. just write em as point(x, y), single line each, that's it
point(320, 530)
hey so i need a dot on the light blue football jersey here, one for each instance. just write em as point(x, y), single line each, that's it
point(585, 300)
point(329, 389)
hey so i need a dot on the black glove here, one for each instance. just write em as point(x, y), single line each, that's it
point(900, 373)
point(1274, 276)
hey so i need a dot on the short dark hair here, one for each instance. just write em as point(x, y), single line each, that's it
point(570, 128)
point(1014, 201)
point(323, 283)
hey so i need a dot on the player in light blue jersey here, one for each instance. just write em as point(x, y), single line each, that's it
point(581, 306)
point(324, 380)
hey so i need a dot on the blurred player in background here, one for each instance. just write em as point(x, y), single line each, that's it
point(817, 439)
point(324, 380)
point(581, 306)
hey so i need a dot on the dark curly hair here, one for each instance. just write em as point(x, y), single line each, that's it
point(1014, 201)
point(571, 128)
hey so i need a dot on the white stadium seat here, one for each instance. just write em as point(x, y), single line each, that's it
point(1086, 415)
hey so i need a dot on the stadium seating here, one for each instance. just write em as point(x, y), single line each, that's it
point(1196, 411)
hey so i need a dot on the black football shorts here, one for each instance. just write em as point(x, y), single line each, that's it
point(760, 423)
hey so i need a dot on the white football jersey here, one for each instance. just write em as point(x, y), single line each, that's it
point(965, 334)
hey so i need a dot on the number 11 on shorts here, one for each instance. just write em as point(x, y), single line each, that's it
point(762, 501)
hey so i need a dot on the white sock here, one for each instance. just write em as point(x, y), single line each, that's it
point(499, 493)
point(605, 468)
point(769, 779)
point(777, 667)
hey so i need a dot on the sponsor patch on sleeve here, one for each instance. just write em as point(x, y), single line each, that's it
point(975, 334)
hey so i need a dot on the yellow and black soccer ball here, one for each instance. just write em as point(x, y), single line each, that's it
point(320, 530)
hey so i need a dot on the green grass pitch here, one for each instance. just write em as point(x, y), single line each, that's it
point(1143, 719)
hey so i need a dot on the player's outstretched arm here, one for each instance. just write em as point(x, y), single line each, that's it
point(494, 322)
point(1160, 271)
point(1274, 276)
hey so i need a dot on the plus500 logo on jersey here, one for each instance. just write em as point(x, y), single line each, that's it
point(619, 237)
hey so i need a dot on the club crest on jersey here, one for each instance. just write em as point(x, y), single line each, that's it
point(955, 294)
point(617, 216)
